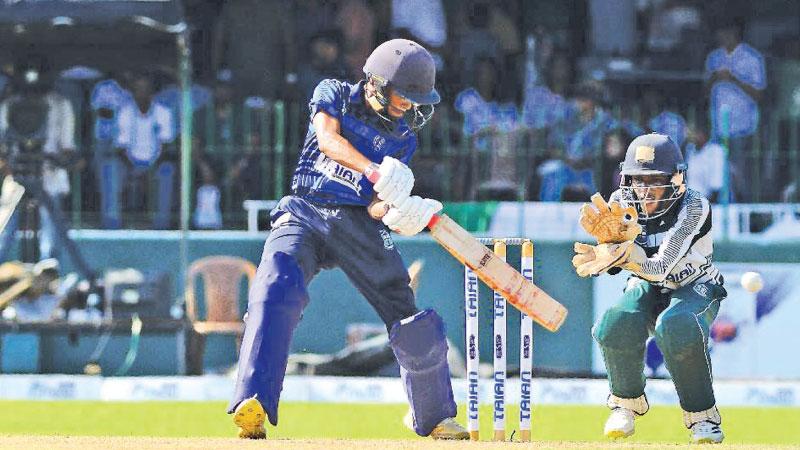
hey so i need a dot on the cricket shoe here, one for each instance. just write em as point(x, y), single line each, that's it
point(707, 433)
point(447, 429)
point(620, 423)
point(705, 426)
point(249, 417)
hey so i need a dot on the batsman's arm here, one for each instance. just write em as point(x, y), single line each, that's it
point(335, 146)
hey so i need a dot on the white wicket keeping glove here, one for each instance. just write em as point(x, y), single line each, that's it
point(395, 182)
point(412, 215)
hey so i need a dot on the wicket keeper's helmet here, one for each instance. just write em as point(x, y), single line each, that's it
point(409, 70)
point(653, 155)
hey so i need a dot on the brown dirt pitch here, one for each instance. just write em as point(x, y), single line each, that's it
point(89, 442)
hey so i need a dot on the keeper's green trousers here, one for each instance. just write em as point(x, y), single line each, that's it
point(679, 320)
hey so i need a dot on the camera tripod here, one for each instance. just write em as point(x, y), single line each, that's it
point(34, 197)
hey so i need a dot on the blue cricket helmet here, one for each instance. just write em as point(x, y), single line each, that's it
point(407, 67)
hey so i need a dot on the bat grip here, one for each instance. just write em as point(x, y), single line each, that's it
point(434, 220)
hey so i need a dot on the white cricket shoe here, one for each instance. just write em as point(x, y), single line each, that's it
point(704, 425)
point(620, 423)
point(707, 433)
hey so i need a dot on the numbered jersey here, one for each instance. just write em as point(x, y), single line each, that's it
point(324, 181)
point(678, 244)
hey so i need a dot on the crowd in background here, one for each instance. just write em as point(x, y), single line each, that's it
point(509, 82)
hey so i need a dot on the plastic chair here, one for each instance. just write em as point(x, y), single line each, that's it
point(221, 277)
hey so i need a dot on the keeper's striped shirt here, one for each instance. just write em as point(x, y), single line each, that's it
point(678, 244)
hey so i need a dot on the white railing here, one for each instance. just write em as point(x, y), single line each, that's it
point(546, 220)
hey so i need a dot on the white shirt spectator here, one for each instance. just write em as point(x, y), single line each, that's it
point(59, 135)
point(706, 168)
point(207, 214)
point(747, 65)
point(423, 18)
point(143, 134)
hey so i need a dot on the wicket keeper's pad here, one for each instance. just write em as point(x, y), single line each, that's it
point(276, 300)
point(419, 344)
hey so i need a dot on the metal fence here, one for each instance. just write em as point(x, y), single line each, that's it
point(493, 163)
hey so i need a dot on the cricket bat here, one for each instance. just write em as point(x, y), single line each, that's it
point(497, 274)
point(489, 268)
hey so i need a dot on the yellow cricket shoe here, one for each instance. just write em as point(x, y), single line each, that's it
point(447, 429)
point(249, 417)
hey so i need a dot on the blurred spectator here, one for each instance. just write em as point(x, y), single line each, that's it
point(545, 105)
point(219, 136)
point(475, 41)
point(312, 15)
point(425, 22)
point(171, 97)
point(669, 20)
point(145, 128)
point(356, 21)
point(583, 146)
point(491, 125)
point(484, 29)
point(675, 35)
point(256, 41)
point(207, 214)
point(611, 27)
point(614, 145)
point(787, 78)
point(324, 61)
point(706, 163)
point(37, 130)
point(671, 124)
point(787, 107)
point(736, 78)
point(107, 99)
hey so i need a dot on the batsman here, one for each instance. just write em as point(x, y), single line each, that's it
point(335, 217)
point(659, 231)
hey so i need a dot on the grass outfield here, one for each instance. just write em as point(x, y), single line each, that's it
point(304, 421)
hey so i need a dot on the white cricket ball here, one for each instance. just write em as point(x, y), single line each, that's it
point(752, 281)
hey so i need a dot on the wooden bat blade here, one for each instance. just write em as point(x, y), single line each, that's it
point(497, 274)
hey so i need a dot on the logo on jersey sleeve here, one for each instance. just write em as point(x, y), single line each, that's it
point(378, 142)
point(338, 173)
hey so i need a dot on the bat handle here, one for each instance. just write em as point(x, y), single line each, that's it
point(434, 220)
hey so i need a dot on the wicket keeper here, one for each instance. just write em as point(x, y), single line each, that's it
point(659, 231)
point(330, 220)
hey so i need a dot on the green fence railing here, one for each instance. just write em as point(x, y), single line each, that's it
point(253, 149)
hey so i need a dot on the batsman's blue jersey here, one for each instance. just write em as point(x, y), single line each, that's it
point(324, 181)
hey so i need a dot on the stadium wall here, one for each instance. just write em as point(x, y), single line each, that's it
point(567, 351)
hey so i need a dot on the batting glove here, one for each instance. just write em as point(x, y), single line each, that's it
point(395, 181)
point(412, 216)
